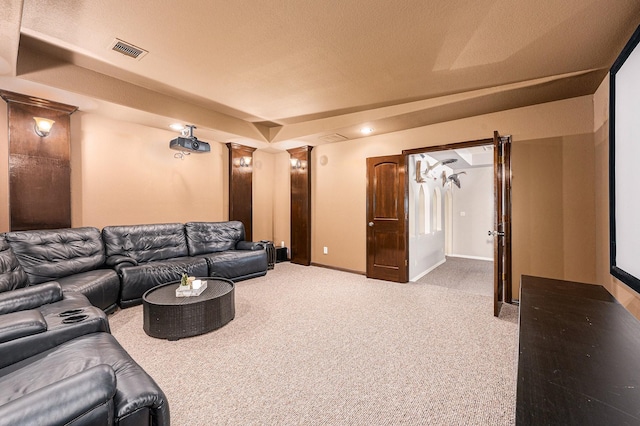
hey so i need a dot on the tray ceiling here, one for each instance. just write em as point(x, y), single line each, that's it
point(278, 71)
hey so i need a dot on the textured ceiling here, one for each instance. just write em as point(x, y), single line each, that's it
point(268, 72)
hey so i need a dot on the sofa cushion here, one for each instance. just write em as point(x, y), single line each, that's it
point(211, 237)
point(136, 280)
point(30, 297)
point(100, 286)
point(51, 254)
point(146, 243)
point(12, 275)
point(237, 264)
point(21, 324)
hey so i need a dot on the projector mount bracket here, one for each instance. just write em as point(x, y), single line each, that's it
point(187, 132)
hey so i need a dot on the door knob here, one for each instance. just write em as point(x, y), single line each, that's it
point(494, 233)
point(370, 223)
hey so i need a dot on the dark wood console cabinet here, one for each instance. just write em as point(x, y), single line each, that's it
point(579, 356)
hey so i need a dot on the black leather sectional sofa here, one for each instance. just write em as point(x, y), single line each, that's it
point(117, 265)
point(59, 364)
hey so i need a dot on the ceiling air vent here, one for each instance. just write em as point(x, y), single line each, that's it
point(128, 49)
point(336, 137)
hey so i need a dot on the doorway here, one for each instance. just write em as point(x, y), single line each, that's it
point(450, 207)
point(430, 218)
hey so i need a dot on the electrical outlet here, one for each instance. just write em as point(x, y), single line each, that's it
point(325, 250)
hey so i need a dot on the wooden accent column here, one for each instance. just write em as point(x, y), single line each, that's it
point(241, 186)
point(39, 167)
point(301, 205)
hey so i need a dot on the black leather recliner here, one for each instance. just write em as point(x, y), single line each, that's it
point(74, 257)
point(34, 319)
point(85, 398)
point(90, 380)
point(59, 364)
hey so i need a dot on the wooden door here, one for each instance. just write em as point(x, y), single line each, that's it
point(386, 219)
point(508, 283)
point(502, 223)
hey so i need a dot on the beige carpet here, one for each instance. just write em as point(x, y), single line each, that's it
point(468, 275)
point(313, 346)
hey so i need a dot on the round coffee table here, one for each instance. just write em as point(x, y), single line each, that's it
point(169, 317)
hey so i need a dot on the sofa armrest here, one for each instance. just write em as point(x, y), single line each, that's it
point(248, 245)
point(21, 324)
point(118, 261)
point(30, 297)
point(71, 400)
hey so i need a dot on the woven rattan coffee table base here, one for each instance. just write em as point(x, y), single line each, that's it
point(169, 317)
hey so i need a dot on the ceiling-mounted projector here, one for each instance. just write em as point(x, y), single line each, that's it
point(189, 143)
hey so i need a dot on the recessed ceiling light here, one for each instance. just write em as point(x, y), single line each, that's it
point(366, 130)
point(177, 126)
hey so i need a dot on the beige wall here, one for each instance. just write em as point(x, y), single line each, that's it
point(338, 197)
point(537, 208)
point(578, 208)
point(338, 187)
point(627, 297)
point(553, 208)
point(124, 173)
point(282, 199)
point(263, 195)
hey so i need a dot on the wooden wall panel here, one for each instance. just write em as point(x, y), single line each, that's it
point(301, 205)
point(241, 186)
point(39, 193)
point(39, 167)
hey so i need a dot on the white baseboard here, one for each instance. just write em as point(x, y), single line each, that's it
point(490, 259)
point(428, 270)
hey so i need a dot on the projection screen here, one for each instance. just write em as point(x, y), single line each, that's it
point(624, 164)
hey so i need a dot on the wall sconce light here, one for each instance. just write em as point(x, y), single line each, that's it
point(42, 126)
point(297, 164)
point(245, 161)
